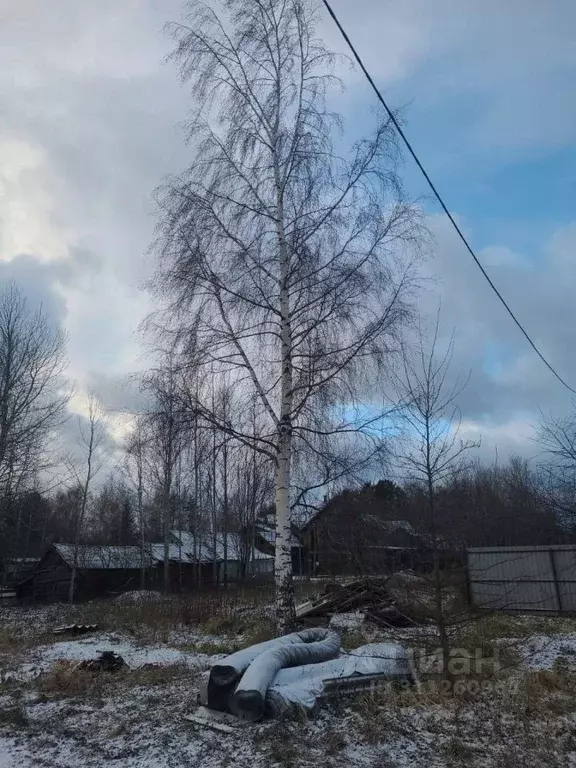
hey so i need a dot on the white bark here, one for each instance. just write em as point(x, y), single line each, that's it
point(283, 557)
point(285, 609)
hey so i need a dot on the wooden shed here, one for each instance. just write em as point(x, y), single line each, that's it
point(101, 571)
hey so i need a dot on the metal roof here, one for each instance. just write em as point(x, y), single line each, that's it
point(186, 547)
point(269, 535)
point(175, 554)
point(104, 557)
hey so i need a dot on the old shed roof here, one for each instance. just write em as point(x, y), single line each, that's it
point(98, 558)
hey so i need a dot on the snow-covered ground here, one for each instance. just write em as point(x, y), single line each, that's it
point(543, 651)
point(41, 659)
point(130, 720)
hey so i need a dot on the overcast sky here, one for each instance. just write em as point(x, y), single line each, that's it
point(89, 126)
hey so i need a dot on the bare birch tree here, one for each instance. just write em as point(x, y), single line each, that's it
point(435, 454)
point(556, 437)
point(135, 467)
point(280, 255)
point(166, 432)
point(32, 396)
point(91, 443)
point(32, 404)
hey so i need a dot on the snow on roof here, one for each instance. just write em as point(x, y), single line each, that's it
point(268, 533)
point(103, 557)
point(176, 554)
point(201, 547)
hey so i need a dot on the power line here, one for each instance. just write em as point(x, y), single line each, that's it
point(439, 197)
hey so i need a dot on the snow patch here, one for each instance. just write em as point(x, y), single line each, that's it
point(135, 656)
point(89, 648)
point(349, 621)
point(541, 651)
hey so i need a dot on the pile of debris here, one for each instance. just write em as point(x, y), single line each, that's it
point(107, 661)
point(369, 596)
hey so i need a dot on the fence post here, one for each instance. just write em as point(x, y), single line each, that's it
point(555, 575)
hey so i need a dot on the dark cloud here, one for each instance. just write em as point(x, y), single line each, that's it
point(509, 385)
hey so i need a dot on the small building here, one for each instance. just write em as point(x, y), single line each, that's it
point(101, 571)
point(208, 560)
point(16, 569)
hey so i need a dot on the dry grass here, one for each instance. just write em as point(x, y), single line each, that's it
point(14, 641)
point(457, 751)
point(351, 640)
point(151, 675)
point(66, 679)
point(285, 743)
point(502, 625)
point(215, 611)
point(259, 631)
point(10, 641)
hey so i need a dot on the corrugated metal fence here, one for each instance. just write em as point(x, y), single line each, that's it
point(523, 578)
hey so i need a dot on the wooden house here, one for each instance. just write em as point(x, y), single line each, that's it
point(101, 571)
point(360, 532)
point(194, 562)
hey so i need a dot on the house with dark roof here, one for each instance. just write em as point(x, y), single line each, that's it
point(360, 532)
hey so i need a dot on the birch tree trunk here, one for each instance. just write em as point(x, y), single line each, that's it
point(135, 452)
point(165, 443)
point(225, 516)
point(285, 608)
point(140, 497)
point(167, 519)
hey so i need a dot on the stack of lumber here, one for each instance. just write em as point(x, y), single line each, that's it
point(369, 595)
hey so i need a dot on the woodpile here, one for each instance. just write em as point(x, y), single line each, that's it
point(369, 595)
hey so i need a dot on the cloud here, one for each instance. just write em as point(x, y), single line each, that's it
point(508, 384)
point(28, 191)
point(90, 127)
point(499, 71)
point(38, 282)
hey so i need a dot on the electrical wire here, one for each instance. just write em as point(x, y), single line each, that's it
point(439, 197)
